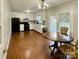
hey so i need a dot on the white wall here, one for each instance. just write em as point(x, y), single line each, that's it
point(22, 15)
point(64, 8)
point(6, 24)
point(42, 13)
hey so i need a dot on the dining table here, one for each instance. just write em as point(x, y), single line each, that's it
point(57, 37)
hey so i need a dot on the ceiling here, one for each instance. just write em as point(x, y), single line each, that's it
point(21, 5)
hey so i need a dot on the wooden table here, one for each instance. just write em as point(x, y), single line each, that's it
point(57, 37)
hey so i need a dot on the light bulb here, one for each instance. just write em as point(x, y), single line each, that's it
point(39, 6)
point(45, 4)
point(28, 11)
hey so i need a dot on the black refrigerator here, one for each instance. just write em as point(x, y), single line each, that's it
point(15, 24)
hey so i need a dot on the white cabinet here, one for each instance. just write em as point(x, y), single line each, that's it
point(31, 26)
point(39, 28)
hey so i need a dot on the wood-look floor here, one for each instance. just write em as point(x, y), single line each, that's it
point(28, 45)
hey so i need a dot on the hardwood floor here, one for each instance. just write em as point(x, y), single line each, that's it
point(28, 45)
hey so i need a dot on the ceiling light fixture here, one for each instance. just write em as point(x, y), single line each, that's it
point(43, 5)
point(27, 11)
point(39, 6)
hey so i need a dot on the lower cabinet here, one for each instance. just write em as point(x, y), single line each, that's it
point(37, 27)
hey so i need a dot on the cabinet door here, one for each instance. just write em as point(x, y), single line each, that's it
point(26, 27)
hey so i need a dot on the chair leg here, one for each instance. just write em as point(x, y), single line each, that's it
point(53, 51)
point(60, 44)
point(71, 44)
point(55, 45)
point(51, 46)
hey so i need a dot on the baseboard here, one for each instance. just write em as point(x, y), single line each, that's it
point(7, 46)
point(36, 31)
point(5, 50)
point(31, 29)
point(40, 34)
point(9, 41)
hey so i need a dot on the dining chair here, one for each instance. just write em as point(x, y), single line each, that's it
point(70, 51)
point(64, 30)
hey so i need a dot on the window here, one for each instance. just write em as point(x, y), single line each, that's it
point(64, 21)
point(53, 24)
point(39, 19)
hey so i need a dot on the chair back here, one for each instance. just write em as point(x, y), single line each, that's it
point(63, 30)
